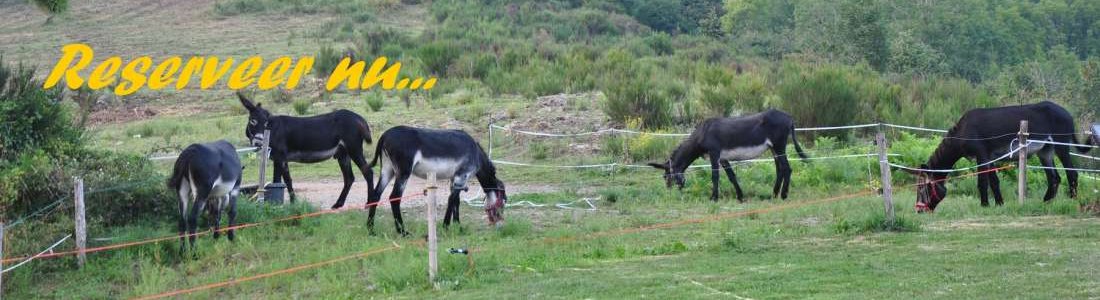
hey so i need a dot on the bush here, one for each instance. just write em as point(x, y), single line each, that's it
point(40, 152)
point(437, 56)
point(645, 148)
point(662, 15)
point(375, 101)
point(326, 61)
point(634, 98)
point(301, 106)
point(124, 188)
point(279, 95)
point(661, 43)
point(52, 7)
point(821, 96)
point(875, 222)
point(36, 135)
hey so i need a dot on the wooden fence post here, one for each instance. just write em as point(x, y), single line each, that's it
point(884, 169)
point(433, 258)
point(1021, 168)
point(264, 151)
point(81, 226)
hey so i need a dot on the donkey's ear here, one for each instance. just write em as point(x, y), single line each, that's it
point(245, 101)
point(658, 165)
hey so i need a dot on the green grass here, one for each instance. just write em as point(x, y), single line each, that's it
point(963, 251)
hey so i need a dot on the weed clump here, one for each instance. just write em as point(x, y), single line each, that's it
point(875, 223)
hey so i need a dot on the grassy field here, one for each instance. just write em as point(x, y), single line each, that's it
point(820, 250)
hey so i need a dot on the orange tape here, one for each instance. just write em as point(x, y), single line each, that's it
point(269, 274)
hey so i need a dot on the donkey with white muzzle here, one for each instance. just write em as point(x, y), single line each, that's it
point(406, 151)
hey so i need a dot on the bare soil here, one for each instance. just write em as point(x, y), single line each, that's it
point(323, 193)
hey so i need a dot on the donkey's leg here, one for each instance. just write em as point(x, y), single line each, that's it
point(715, 156)
point(452, 208)
point(783, 166)
point(356, 155)
point(458, 185)
point(217, 215)
point(395, 202)
point(349, 177)
point(782, 175)
point(232, 217)
point(995, 186)
point(384, 178)
point(289, 184)
point(733, 179)
point(197, 208)
point(185, 198)
point(1071, 175)
point(1046, 158)
point(983, 179)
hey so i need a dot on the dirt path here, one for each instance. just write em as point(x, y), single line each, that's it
point(323, 193)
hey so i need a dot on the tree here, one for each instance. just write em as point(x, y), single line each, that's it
point(866, 33)
point(662, 15)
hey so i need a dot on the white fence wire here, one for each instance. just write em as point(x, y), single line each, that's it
point(29, 259)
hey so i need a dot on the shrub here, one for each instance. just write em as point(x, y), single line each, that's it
point(52, 7)
point(662, 15)
point(301, 106)
point(375, 101)
point(437, 56)
point(661, 43)
point(634, 98)
point(744, 92)
point(124, 188)
point(821, 96)
point(40, 152)
point(875, 222)
point(472, 114)
point(325, 61)
point(647, 147)
point(280, 95)
point(382, 41)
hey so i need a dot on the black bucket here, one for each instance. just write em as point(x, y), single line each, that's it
point(273, 192)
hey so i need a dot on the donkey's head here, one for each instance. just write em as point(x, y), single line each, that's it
point(495, 197)
point(257, 120)
point(672, 176)
point(930, 190)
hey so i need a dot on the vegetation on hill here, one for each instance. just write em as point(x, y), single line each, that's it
point(672, 62)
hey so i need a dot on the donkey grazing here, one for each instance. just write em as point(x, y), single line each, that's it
point(453, 154)
point(739, 138)
point(985, 134)
point(339, 134)
point(205, 172)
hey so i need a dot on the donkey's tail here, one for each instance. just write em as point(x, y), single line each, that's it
point(180, 168)
point(797, 147)
point(1088, 145)
point(377, 152)
point(364, 130)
